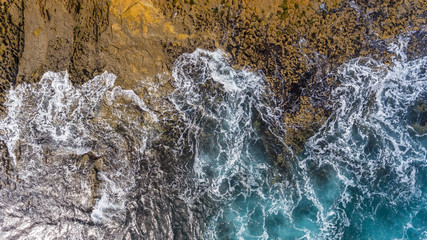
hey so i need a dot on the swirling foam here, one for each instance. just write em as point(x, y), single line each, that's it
point(362, 175)
point(52, 186)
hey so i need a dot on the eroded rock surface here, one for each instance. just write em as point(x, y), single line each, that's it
point(297, 44)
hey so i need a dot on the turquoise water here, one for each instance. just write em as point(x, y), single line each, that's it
point(363, 175)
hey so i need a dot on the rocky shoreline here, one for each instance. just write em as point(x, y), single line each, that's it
point(297, 45)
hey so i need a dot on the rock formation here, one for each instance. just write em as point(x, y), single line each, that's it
point(296, 44)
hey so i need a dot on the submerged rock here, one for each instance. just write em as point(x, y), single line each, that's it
point(417, 116)
point(122, 160)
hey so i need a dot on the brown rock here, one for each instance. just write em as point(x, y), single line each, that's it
point(295, 43)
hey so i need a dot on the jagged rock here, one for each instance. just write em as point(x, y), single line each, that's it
point(295, 43)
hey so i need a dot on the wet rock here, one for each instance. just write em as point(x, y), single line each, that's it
point(136, 39)
point(296, 44)
point(6, 168)
point(417, 116)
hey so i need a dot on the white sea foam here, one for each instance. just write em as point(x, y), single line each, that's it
point(53, 110)
point(368, 141)
point(367, 155)
point(220, 105)
point(48, 127)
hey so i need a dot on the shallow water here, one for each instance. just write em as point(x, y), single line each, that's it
point(363, 175)
point(370, 157)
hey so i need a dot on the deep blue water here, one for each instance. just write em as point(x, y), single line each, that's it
point(363, 175)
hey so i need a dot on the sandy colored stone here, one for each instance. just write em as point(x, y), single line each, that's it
point(297, 44)
point(48, 39)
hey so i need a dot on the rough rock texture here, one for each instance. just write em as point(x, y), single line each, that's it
point(62, 35)
point(11, 44)
point(297, 44)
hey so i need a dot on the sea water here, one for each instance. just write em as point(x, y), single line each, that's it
point(363, 175)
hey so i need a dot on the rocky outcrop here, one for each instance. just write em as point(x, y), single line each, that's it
point(297, 44)
point(11, 44)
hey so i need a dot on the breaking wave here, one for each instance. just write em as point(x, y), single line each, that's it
point(98, 161)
